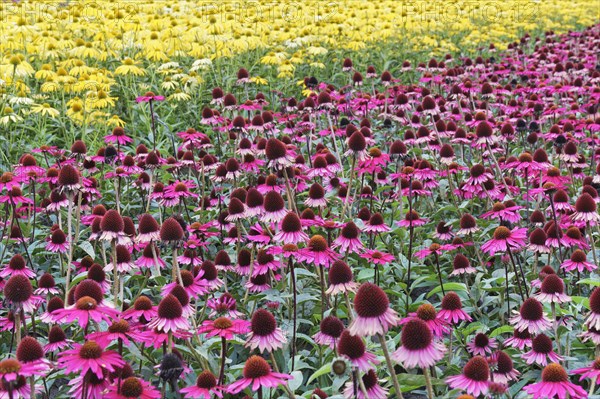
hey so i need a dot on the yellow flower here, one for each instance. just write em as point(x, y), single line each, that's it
point(179, 96)
point(16, 65)
point(129, 67)
point(9, 116)
point(258, 80)
point(76, 110)
point(45, 72)
point(99, 99)
point(169, 84)
point(45, 109)
point(115, 121)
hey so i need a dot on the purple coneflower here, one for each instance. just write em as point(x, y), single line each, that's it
point(374, 315)
point(224, 327)
point(257, 374)
point(376, 224)
point(291, 230)
point(132, 388)
point(330, 330)
point(349, 239)
point(89, 356)
point(578, 261)
point(555, 384)
point(482, 345)
point(17, 266)
point(505, 371)
point(169, 316)
point(340, 278)
point(206, 386)
point(419, 348)
point(593, 319)
point(354, 349)
point(264, 333)
point(318, 252)
point(592, 371)
point(552, 290)
point(541, 351)
point(372, 387)
point(474, 378)
point(585, 210)
point(505, 239)
point(531, 317)
point(452, 309)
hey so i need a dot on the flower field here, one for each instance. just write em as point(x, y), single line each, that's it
point(299, 200)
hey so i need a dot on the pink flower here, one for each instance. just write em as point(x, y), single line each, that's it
point(330, 330)
point(377, 257)
point(452, 309)
point(531, 317)
point(579, 262)
point(118, 330)
point(373, 314)
point(555, 384)
point(353, 348)
point(592, 371)
point(206, 386)
point(224, 327)
point(118, 136)
point(372, 387)
point(264, 333)
point(169, 316)
point(148, 97)
point(541, 350)
point(505, 239)
point(318, 252)
point(257, 374)
point(132, 387)
point(474, 379)
point(90, 356)
point(482, 345)
point(11, 369)
point(419, 348)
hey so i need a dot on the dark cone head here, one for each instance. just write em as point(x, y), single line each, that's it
point(18, 289)
point(256, 367)
point(68, 176)
point(263, 323)
point(332, 326)
point(416, 335)
point(340, 273)
point(532, 309)
point(350, 345)
point(477, 369)
point(170, 308)
point(112, 221)
point(29, 350)
point(171, 230)
point(370, 301)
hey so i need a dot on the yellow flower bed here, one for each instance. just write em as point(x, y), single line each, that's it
point(86, 48)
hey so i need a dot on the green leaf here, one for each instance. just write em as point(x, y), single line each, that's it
point(501, 330)
point(473, 327)
point(590, 281)
point(416, 380)
point(447, 287)
point(581, 300)
point(296, 382)
point(326, 369)
point(87, 247)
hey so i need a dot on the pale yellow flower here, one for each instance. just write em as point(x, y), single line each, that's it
point(45, 109)
point(129, 67)
point(9, 116)
point(115, 121)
